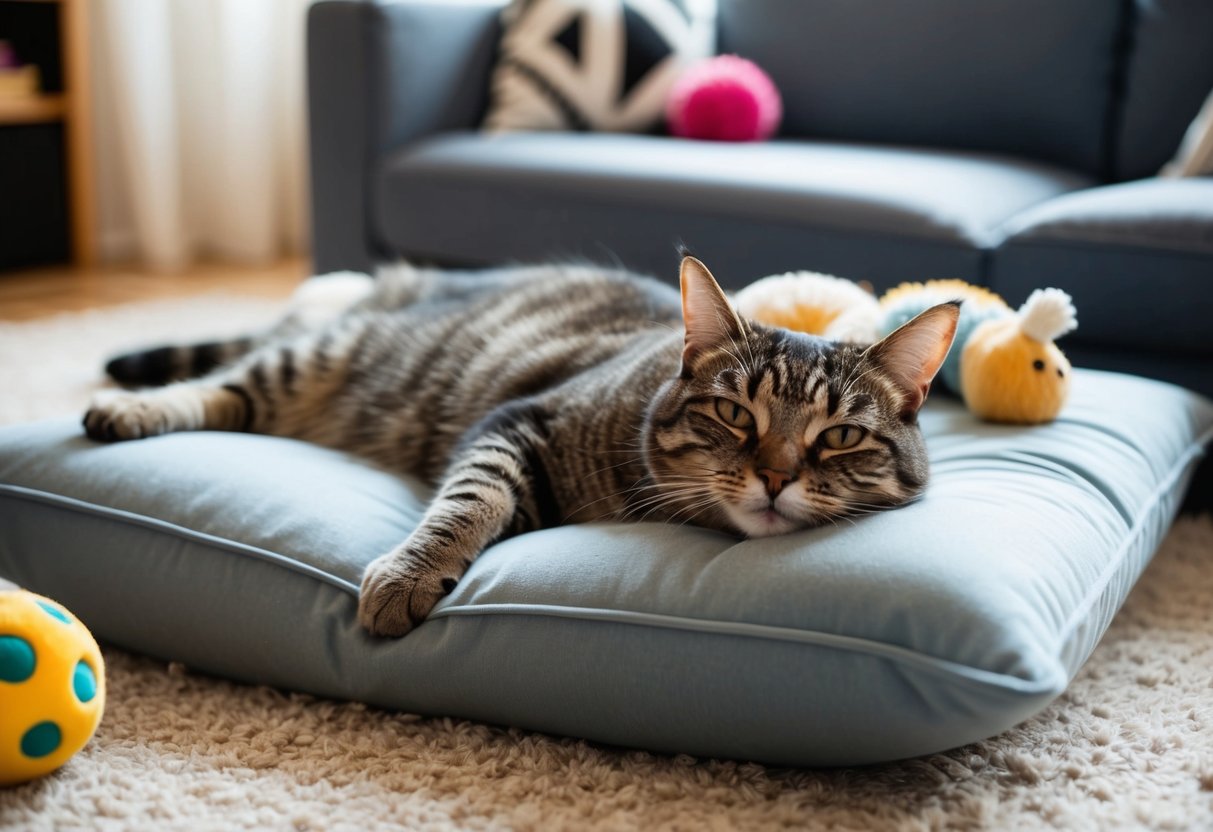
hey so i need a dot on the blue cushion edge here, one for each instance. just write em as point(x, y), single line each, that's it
point(163, 526)
point(1014, 684)
point(815, 638)
point(1180, 470)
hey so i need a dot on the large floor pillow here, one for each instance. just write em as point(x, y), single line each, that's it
point(894, 635)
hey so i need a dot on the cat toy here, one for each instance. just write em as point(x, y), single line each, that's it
point(726, 98)
point(1004, 362)
point(52, 685)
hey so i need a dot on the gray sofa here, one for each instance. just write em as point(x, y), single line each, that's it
point(1008, 142)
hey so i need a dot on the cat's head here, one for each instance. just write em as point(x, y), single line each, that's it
point(766, 431)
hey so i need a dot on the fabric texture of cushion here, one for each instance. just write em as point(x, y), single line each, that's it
point(594, 64)
point(870, 213)
point(1100, 244)
point(898, 634)
point(1026, 77)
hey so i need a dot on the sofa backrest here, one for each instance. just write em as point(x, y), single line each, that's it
point(1168, 73)
point(1105, 87)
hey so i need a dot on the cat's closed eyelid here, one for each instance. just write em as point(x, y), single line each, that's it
point(733, 414)
point(757, 408)
point(838, 438)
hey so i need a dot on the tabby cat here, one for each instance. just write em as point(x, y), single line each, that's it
point(532, 397)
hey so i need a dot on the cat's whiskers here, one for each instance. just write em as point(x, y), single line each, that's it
point(702, 505)
point(856, 504)
point(670, 494)
point(661, 501)
point(686, 481)
point(651, 512)
point(613, 467)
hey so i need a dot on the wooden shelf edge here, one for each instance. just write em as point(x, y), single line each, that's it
point(32, 109)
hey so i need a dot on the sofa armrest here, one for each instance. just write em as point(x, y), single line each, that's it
point(381, 74)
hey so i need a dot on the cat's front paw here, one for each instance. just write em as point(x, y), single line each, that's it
point(115, 416)
point(398, 592)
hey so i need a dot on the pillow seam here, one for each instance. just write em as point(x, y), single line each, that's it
point(1052, 681)
point(226, 545)
point(1164, 486)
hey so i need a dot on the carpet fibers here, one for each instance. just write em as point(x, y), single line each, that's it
point(1129, 745)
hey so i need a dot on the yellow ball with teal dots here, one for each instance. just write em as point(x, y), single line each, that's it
point(1011, 371)
point(52, 686)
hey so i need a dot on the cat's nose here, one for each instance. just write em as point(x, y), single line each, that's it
point(774, 479)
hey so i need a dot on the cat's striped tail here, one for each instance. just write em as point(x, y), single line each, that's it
point(314, 303)
point(162, 365)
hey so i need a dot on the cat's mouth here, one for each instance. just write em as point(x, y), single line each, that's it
point(762, 522)
point(776, 521)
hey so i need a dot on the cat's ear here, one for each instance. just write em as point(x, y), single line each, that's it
point(913, 353)
point(707, 314)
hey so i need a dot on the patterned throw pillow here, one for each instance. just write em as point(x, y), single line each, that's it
point(595, 64)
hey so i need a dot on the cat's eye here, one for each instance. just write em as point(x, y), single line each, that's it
point(843, 437)
point(734, 414)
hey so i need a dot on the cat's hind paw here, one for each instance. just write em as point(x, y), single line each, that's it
point(398, 592)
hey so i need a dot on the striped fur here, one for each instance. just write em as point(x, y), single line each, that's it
point(539, 396)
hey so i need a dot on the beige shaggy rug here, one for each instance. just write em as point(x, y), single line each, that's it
point(1130, 745)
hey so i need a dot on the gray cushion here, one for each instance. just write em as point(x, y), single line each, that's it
point(875, 213)
point(1136, 257)
point(898, 634)
point(1028, 77)
point(1168, 75)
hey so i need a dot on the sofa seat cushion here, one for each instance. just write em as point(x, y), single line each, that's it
point(897, 634)
point(1137, 258)
point(883, 214)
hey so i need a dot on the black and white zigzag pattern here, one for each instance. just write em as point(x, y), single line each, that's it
point(595, 64)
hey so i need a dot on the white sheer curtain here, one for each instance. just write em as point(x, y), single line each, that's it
point(200, 123)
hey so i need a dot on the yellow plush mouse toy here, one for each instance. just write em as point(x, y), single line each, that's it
point(1003, 362)
point(52, 685)
point(1010, 369)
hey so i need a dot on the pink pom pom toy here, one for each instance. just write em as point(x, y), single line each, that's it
point(725, 98)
